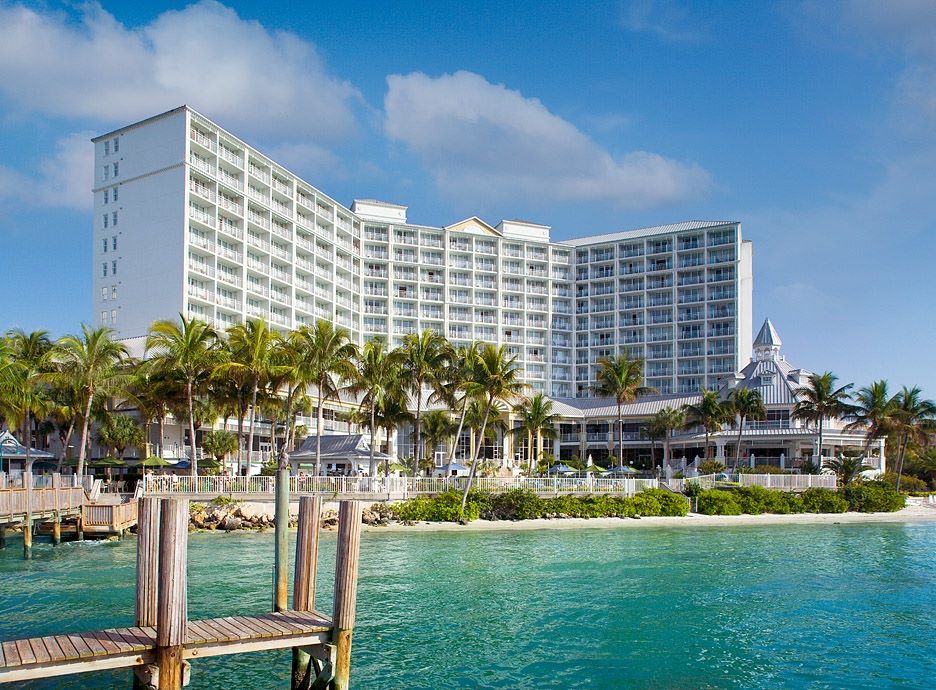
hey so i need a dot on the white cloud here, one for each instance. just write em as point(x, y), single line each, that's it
point(62, 180)
point(663, 18)
point(253, 79)
point(478, 138)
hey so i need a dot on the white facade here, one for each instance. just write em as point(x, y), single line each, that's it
point(190, 219)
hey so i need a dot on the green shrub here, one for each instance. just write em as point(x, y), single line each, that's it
point(646, 504)
point(222, 501)
point(516, 504)
point(711, 467)
point(755, 500)
point(671, 505)
point(817, 500)
point(873, 497)
point(718, 502)
point(907, 482)
point(444, 507)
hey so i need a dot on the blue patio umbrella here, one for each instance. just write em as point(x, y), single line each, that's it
point(561, 469)
point(622, 469)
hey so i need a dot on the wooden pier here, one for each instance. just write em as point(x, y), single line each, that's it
point(162, 641)
point(52, 500)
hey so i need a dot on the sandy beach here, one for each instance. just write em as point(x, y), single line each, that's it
point(916, 511)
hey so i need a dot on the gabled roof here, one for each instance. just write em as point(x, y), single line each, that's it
point(10, 447)
point(775, 379)
point(579, 408)
point(768, 336)
point(473, 225)
point(645, 232)
point(336, 447)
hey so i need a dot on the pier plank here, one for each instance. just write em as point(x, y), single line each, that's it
point(133, 640)
point(244, 632)
point(55, 651)
point(99, 643)
point(25, 652)
point(81, 646)
point(258, 629)
point(142, 636)
point(9, 652)
point(39, 650)
point(270, 620)
point(194, 633)
point(117, 639)
point(68, 649)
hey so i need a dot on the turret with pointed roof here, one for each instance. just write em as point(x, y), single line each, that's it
point(767, 343)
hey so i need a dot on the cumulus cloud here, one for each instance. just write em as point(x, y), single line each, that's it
point(253, 79)
point(62, 180)
point(478, 138)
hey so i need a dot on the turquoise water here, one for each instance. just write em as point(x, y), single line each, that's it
point(798, 606)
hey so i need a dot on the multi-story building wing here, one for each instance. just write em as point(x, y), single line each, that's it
point(190, 219)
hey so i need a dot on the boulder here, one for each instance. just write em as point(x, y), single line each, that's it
point(230, 523)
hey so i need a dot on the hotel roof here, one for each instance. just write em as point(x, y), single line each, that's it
point(645, 232)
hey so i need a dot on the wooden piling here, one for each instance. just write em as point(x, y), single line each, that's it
point(281, 534)
point(2, 536)
point(147, 564)
point(57, 530)
point(307, 541)
point(346, 573)
point(171, 608)
point(27, 537)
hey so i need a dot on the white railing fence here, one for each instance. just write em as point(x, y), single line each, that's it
point(392, 486)
point(782, 482)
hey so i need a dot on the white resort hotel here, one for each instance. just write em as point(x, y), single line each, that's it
point(189, 218)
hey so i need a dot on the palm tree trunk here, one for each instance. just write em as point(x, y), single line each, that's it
point(417, 451)
point(372, 464)
point(241, 411)
point(84, 434)
point(250, 426)
point(474, 460)
point(666, 450)
point(320, 421)
point(820, 442)
point(283, 459)
point(191, 421)
point(539, 446)
point(461, 424)
point(162, 432)
point(901, 449)
point(620, 434)
point(737, 459)
point(68, 435)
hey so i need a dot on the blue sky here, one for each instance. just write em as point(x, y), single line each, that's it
point(810, 122)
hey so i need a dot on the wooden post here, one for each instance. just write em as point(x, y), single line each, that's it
point(346, 572)
point(171, 608)
point(281, 555)
point(307, 541)
point(27, 527)
point(147, 569)
point(2, 536)
point(57, 530)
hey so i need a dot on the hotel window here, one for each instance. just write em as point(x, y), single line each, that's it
point(113, 292)
point(106, 172)
point(116, 169)
point(104, 293)
point(114, 243)
point(105, 196)
point(114, 267)
point(104, 269)
point(115, 195)
point(114, 317)
point(106, 148)
point(104, 317)
point(114, 219)
point(116, 145)
point(105, 245)
point(105, 220)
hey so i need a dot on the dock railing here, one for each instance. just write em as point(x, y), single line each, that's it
point(780, 482)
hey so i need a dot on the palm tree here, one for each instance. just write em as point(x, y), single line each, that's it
point(537, 422)
point(376, 379)
point(820, 400)
point(390, 414)
point(620, 378)
point(458, 377)
point(669, 420)
point(709, 412)
point(425, 356)
point(252, 353)
point(190, 350)
point(152, 392)
point(848, 468)
point(654, 430)
point(745, 403)
point(497, 380)
point(329, 358)
point(438, 427)
point(873, 411)
point(27, 394)
point(93, 364)
point(914, 420)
